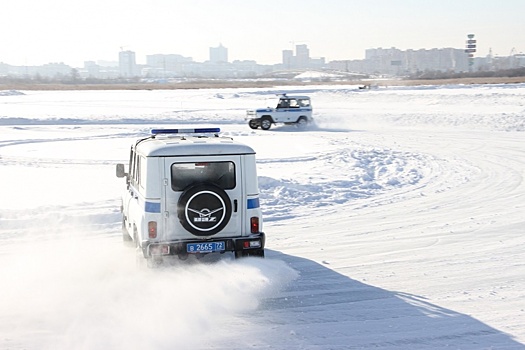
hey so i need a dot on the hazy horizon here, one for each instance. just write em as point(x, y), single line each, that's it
point(74, 31)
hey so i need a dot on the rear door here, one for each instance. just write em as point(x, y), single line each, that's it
point(202, 198)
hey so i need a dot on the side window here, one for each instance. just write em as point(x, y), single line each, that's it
point(283, 103)
point(293, 104)
point(304, 103)
point(221, 174)
point(131, 169)
point(134, 168)
point(142, 171)
point(137, 169)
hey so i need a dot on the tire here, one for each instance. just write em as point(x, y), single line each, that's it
point(259, 253)
point(125, 235)
point(266, 123)
point(204, 209)
point(302, 122)
point(154, 262)
point(253, 124)
point(135, 236)
point(140, 258)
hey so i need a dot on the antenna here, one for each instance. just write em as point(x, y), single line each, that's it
point(293, 42)
point(470, 48)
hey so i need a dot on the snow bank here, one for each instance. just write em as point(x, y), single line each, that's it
point(355, 172)
point(11, 93)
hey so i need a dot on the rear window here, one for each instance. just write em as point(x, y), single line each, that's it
point(221, 174)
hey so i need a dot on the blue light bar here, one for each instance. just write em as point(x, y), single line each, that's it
point(185, 131)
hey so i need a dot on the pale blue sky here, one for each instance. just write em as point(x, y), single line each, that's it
point(34, 32)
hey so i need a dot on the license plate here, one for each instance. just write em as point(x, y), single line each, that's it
point(207, 247)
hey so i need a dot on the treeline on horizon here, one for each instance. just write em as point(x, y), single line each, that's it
point(74, 79)
point(503, 73)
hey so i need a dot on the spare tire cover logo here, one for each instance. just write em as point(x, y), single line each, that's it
point(205, 210)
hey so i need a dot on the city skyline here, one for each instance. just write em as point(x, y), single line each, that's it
point(115, 61)
point(75, 31)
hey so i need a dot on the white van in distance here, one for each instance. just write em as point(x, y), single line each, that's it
point(191, 192)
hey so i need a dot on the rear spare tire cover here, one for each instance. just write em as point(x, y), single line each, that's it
point(204, 209)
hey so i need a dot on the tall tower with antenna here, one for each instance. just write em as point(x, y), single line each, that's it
point(470, 48)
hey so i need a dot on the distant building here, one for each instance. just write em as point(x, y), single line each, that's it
point(171, 65)
point(385, 61)
point(378, 61)
point(301, 59)
point(104, 63)
point(92, 69)
point(302, 56)
point(51, 70)
point(288, 59)
point(218, 54)
point(4, 69)
point(106, 70)
point(493, 63)
point(397, 62)
point(127, 64)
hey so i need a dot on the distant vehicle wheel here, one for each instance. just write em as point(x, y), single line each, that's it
point(301, 123)
point(253, 124)
point(266, 123)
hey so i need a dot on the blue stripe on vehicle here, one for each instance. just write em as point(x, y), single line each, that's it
point(151, 207)
point(253, 203)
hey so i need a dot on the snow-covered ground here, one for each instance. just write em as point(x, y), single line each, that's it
point(397, 221)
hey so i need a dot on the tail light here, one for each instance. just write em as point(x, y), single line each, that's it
point(251, 244)
point(254, 224)
point(159, 249)
point(152, 229)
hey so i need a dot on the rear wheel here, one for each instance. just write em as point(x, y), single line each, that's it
point(301, 122)
point(125, 235)
point(266, 123)
point(154, 262)
point(140, 259)
point(246, 253)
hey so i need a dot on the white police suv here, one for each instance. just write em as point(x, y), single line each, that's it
point(290, 110)
point(191, 192)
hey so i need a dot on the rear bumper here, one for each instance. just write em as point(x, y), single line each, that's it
point(235, 244)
